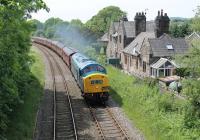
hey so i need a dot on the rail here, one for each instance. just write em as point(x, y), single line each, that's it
point(47, 54)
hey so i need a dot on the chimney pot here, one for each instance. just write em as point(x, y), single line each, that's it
point(158, 13)
point(165, 14)
point(161, 12)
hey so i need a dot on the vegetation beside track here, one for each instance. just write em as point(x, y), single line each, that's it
point(158, 116)
point(22, 122)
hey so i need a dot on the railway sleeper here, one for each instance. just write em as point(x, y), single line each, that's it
point(65, 134)
point(63, 111)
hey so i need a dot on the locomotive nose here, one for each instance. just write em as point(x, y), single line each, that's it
point(96, 83)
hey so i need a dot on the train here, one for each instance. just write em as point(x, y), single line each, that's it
point(90, 76)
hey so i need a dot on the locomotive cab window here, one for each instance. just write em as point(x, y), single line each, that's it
point(92, 68)
point(95, 82)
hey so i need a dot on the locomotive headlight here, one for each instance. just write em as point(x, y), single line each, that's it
point(105, 88)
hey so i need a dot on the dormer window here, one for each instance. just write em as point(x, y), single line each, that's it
point(169, 47)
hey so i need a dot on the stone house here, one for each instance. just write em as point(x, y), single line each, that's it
point(150, 54)
point(122, 33)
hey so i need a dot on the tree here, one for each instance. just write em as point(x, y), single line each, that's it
point(76, 23)
point(14, 60)
point(50, 26)
point(38, 27)
point(180, 29)
point(196, 20)
point(36, 24)
point(100, 23)
point(51, 22)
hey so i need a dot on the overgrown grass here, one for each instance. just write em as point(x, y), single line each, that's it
point(158, 116)
point(23, 121)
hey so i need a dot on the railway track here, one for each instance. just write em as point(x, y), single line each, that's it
point(64, 126)
point(108, 126)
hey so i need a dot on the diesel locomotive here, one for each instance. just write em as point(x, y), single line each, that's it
point(90, 76)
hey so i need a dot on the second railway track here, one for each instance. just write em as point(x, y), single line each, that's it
point(64, 122)
point(106, 123)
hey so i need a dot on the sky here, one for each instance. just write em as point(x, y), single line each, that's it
point(85, 9)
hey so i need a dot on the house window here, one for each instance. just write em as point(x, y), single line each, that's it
point(110, 37)
point(130, 61)
point(136, 63)
point(125, 59)
point(140, 60)
point(120, 38)
point(144, 66)
point(169, 47)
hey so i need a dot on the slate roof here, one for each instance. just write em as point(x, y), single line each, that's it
point(129, 27)
point(161, 62)
point(134, 47)
point(194, 35)
point(115, 26)
point(159, 49)
point(104, 38)
point(150, 26)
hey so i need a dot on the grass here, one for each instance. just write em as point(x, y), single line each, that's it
point(23, 122)
point(158, 116)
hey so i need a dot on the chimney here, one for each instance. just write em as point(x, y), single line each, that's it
point(162, 24)
point(124, 18)
point(140, 23)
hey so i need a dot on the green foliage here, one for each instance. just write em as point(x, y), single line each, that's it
point(196, 20)
point(76, 23)
point(191, 63)
point(22, 122)
point(180, 29)
point(50, 26)
point(196, 24)
point(37, 26)
point(192, 116)
point(100, 23)
point(14, 60)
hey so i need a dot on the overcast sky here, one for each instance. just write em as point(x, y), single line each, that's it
point(85, 9)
